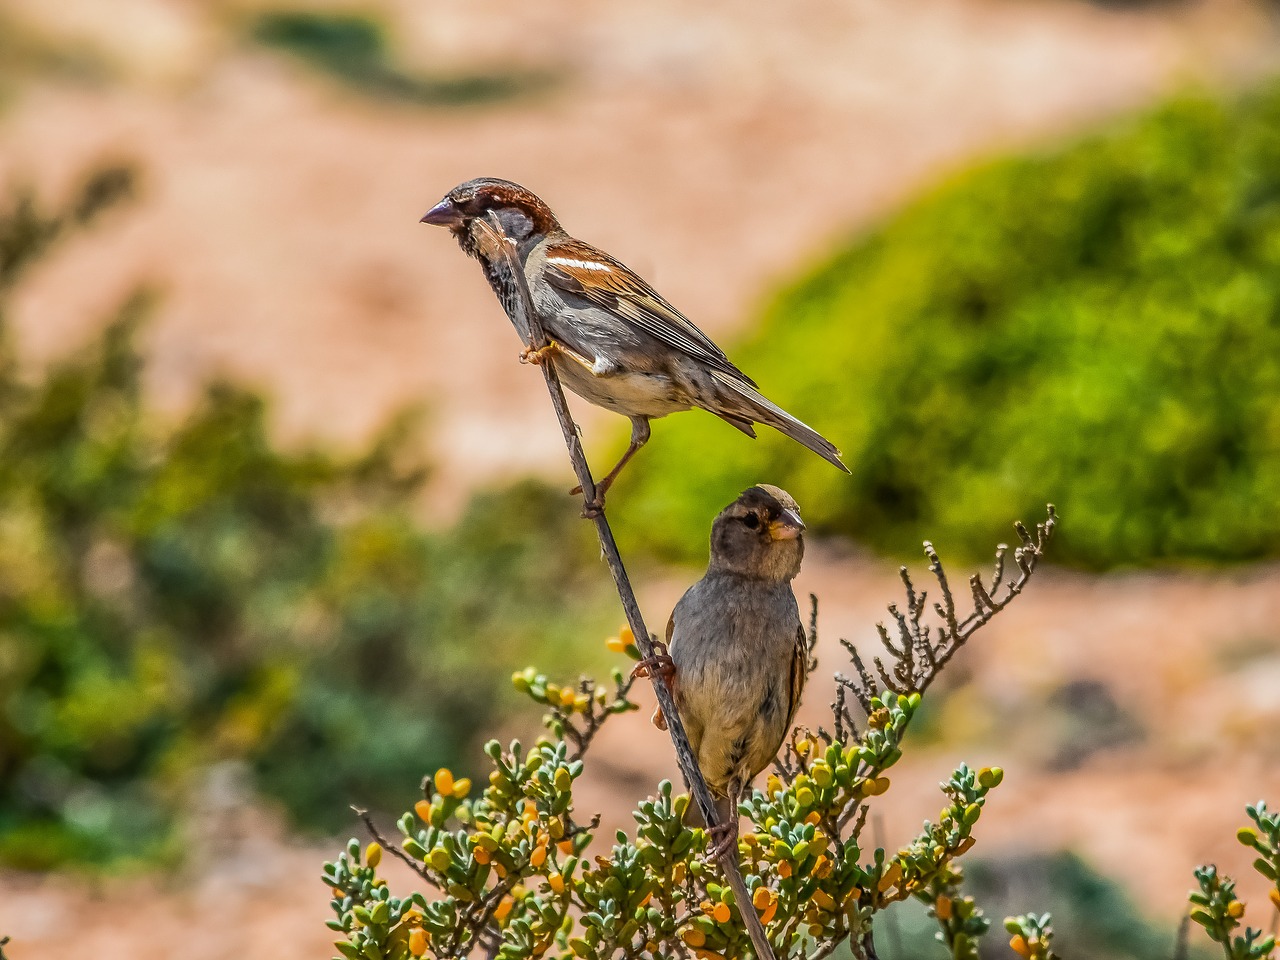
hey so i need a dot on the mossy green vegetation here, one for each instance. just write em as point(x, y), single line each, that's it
point(174, 595)
point(1096, 325)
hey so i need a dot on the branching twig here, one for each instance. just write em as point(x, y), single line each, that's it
point(394, 848)
point(919, 651)
point(498, 245)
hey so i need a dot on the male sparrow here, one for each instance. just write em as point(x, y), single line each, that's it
point(614, 341)
point(737, 651)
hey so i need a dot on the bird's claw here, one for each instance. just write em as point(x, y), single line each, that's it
point(536, 356)
point(592, 509)
point(724, 837)
point(659, 664)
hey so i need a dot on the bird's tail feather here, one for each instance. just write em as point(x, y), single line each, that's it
point(766, 411)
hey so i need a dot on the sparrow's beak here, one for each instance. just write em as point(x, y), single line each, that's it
point(443, 214)
point(786, 527)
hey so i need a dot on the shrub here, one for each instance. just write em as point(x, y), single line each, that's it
point(1097, 325)
point(511, 875)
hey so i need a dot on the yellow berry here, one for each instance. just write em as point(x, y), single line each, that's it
point(1235, 909)
point(626, 636)
point(616, 644)
point(1274, 894)
point(556, 882)
point(373, 855)
point(444, 782)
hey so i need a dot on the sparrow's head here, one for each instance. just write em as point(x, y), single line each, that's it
point(519, 212)
point(759, 535)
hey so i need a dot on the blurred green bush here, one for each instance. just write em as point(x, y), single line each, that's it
point(353, 48)
point(1097, 326)
point(173, 595)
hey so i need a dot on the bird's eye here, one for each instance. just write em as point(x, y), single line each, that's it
point(751, 521)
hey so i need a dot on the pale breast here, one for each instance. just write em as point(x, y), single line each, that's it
point(628, 393)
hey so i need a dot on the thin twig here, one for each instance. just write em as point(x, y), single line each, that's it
point(694, 781)
point(394, 849)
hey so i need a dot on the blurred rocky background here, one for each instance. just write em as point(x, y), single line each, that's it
point(280, 513)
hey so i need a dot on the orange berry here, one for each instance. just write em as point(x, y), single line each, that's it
point(481, 855)
point(1018, 944)
point(556, 881)
point(417, 941)
point(1274, 894)
point(693, 936)
point(444, 782)
point(423, 809)
point(538, 857)
point(720, 913)
point(504, 907)
point(942, 907)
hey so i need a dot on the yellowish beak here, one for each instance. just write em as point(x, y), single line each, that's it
point(786, 527)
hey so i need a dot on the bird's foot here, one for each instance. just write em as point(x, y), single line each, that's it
point(539, 355)
point(724, 838)
point(659, 664)
point(592, 509)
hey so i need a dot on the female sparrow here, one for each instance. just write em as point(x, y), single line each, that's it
point(737, 651)
point(614, 341)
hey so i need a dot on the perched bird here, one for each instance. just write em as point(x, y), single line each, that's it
point(737, 655)
point(614, 341)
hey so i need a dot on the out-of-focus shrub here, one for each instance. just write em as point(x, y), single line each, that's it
point(1098, 326)
point(353, 48)
point(176, 595)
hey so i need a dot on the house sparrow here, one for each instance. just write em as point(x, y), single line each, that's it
point(614, 341)
point(737, 655)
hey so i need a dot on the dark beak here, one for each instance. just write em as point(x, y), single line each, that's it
point(443, 214)
point(786, 527)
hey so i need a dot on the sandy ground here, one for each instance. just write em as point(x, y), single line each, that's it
point(713, 151)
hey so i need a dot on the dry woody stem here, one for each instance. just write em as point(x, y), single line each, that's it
point(684, 753)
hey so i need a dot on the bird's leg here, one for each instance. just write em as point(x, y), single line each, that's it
point(539, 355)
point(724, 836)
point(639, 437)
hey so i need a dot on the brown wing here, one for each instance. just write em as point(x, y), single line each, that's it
point(579, 268)
point(799, 673)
